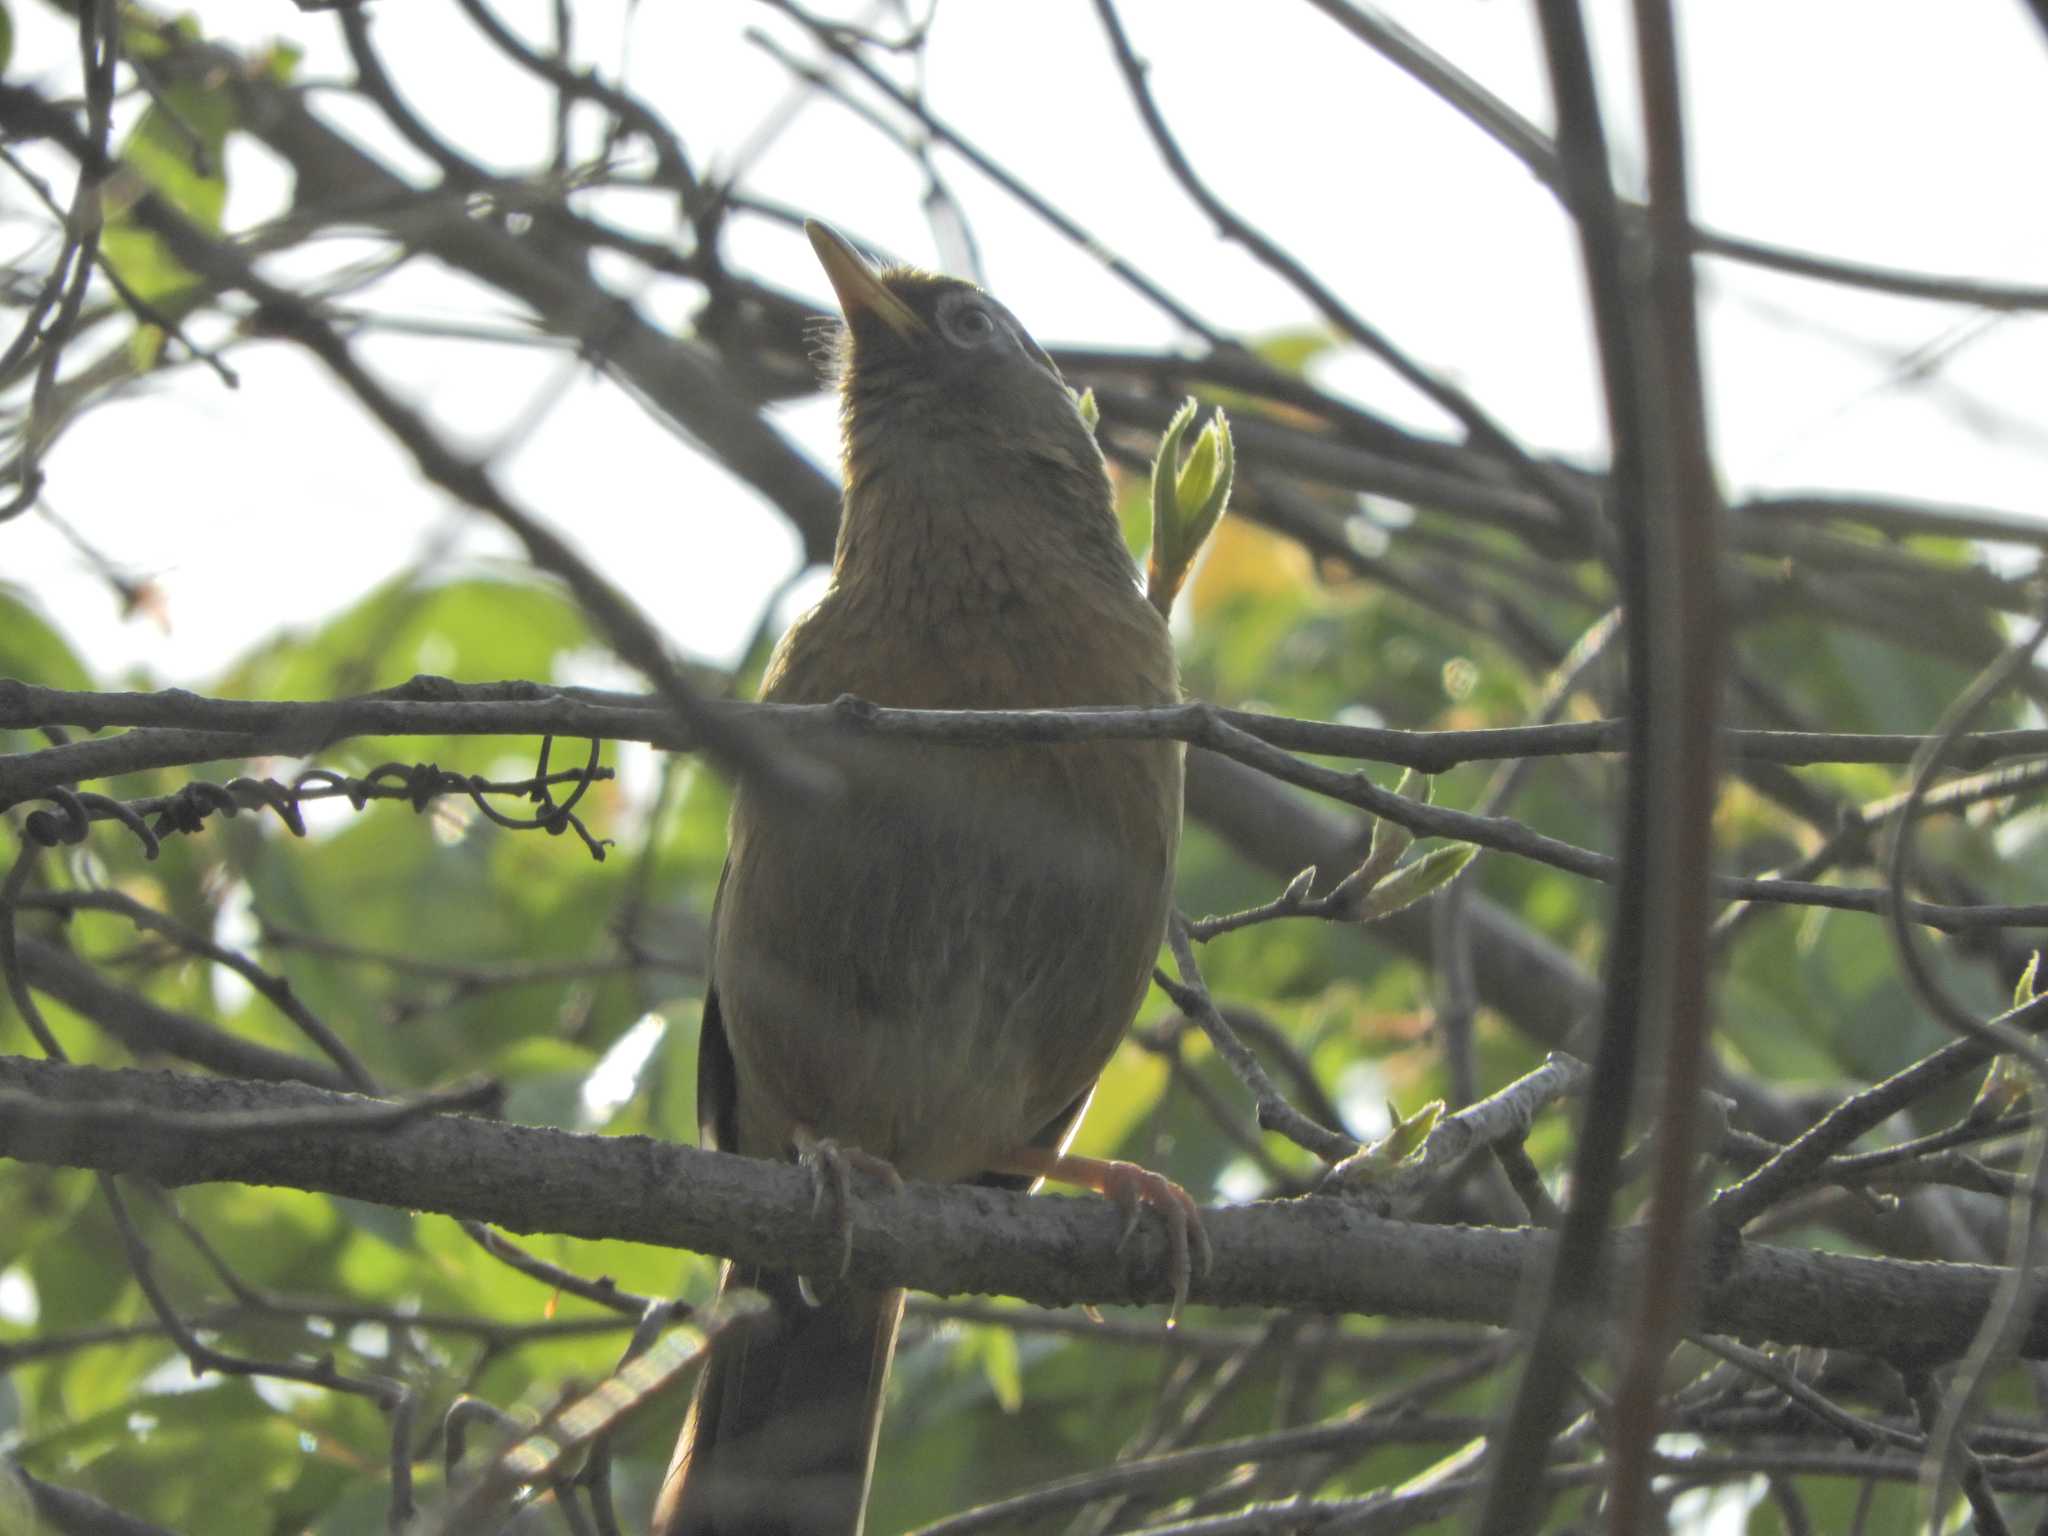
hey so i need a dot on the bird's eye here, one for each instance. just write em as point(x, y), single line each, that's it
point(969, 325)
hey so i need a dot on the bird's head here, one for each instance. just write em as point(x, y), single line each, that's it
point(932, 368)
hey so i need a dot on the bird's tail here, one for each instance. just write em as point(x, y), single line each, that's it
point(780, 1439)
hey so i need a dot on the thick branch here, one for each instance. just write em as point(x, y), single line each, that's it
point(1318, 1255)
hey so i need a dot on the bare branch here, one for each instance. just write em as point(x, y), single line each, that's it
point(1311, 1254)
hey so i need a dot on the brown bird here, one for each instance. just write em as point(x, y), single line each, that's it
point(930, 968)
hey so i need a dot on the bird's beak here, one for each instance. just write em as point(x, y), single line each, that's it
point(860, 290)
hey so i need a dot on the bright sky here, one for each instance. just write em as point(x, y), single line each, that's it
point(1847, 127)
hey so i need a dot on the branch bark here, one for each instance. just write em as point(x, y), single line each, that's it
point(1313, 1254)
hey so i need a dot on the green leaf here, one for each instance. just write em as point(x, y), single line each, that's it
point(2004, 1090)
point(1204, 484)
point(1406, 1136)
point(6, 38)
point(472, 627)
point(1134, 516)
point(1166, 547)
point(2006, 1083)
point(1390, 839)
point(1291, 351)
point(1198, 476)
point(279, 63)
point(1187, 500)
point(75, 1285)
point(1403, 1140)
point(177, 150)
point(995, 1350)
point(1411, 882)
point(1084, 402)
point(32, 650)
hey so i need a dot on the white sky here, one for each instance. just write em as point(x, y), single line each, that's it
point(1849, 127)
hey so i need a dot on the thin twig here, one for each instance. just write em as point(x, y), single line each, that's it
point(836, 41)
point(1801, 1162)
point(1532, 147)
point(1235, 734)
point(1570, 497)
point(1275, 1112)
point(274, 989)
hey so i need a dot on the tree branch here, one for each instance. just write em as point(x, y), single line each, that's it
point(1315, 1254)
point(1257, 740)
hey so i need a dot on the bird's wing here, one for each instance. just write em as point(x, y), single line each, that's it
point(1058, 1131)
point(781, 1430)
point(717, 1081)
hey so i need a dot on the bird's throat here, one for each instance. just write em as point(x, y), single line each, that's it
point(952, 530)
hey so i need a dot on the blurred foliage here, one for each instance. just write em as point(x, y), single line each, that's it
point(177, 150)
point(1809, 1000)
point(426, 941)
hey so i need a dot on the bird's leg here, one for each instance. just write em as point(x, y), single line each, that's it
point(1132, 1188)
point(831, 1167)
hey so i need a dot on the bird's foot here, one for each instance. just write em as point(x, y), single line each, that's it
point(832, 1167)
point(1133, 1188)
